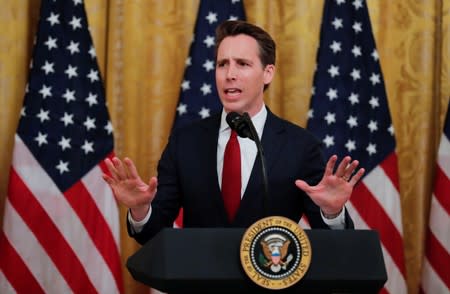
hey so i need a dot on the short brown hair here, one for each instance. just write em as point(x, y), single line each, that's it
point(265, 42)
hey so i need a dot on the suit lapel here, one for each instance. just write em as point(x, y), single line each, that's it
point(211, 131)
point(272, 140)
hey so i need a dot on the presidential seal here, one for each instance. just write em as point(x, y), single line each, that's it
point(275, 252)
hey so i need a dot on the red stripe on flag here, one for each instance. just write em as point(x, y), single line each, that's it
point(97, 228)
point(390, 167)
point(16, 270)
point(48, 235)
point(376, 218)
point(438, 258)
point(441, 189)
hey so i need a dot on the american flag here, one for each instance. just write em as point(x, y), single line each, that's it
point(435, 273)
point(349, 113)
point(198, 94)
point(61, 225)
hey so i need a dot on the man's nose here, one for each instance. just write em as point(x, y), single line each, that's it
point(231, 72)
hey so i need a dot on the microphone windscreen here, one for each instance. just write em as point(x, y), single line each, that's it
point(239, 124)
point(233, 119)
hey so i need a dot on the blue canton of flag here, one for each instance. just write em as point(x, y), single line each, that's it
point(64, 119)
point(198, 97)
point(349, 110)
point(349, 113)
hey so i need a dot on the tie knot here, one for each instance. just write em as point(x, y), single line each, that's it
point(233, 134)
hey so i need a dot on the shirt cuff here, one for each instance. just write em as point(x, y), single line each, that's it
point(136, 226)
point(335, 223)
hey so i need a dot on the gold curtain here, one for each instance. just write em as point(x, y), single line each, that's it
point(142, 45)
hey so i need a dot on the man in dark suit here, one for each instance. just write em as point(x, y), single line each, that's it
point(192, 165)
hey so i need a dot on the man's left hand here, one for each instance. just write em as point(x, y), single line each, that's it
point(335, 189)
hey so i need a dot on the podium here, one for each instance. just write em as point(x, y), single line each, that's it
point(207, 260)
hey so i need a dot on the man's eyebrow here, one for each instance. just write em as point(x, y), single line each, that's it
point(246, 60)
point(234, 58)
point(222, 60)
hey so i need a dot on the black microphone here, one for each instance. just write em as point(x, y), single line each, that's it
point(238, 123)
point(244, 127)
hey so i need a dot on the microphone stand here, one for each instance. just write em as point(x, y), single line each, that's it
point(255, 137)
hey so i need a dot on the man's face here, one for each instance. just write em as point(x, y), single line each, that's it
point(240, 76)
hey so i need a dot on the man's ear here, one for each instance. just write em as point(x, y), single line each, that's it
point(269, 72)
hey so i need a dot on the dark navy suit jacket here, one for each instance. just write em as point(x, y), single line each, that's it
point(187, 177)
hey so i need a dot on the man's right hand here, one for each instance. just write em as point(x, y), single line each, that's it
point(128, 187)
